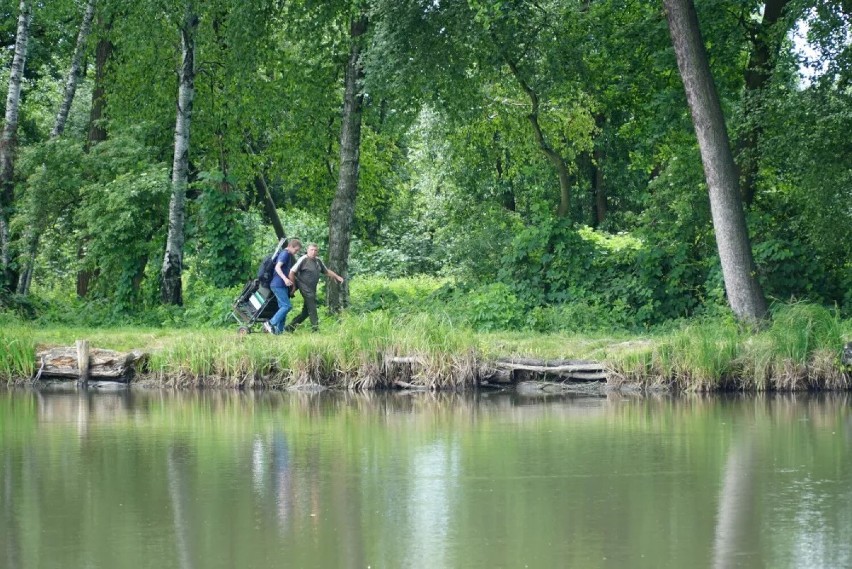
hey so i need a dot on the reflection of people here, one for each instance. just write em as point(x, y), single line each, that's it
point(282, 488)
point(281, 284)
point(307, 272)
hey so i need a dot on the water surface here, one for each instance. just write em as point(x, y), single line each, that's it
point(249, 480)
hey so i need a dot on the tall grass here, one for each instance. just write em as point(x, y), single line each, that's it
point(360, 352)
point(800, 349)
point(17, 353)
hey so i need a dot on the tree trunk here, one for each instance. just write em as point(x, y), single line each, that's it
point(599, 187)
point(744, 292)
point(8, 143)
point(598, 182)
point(171, 289)
point(71, 82)
point(555, 158)
point(103, 51)
point(765, 42)
point(97, 130)
point(265, 197)
point(74, 72)
point(343, 207)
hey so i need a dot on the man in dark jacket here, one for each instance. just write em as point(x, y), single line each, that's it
point(281, 284)
point(307, 272)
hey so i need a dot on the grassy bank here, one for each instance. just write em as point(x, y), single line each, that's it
point(801, 349)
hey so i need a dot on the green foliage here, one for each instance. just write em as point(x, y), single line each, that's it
point(222, 234)
point(121, 222)
point(453, 183)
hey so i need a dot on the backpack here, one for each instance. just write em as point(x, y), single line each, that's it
point(267, 270)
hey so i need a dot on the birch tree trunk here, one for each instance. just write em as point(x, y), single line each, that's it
point(171, 292)
point(74, 72)
point(71, 82)
point(8, 143)
point(343, 207)
point(745, 295)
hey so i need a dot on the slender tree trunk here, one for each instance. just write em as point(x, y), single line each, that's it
point(598, 182)
point(265, 197)
point(555, 158)
point(8, 143)
point(103, 52)
point(71, 82)
point(744, 292)
point(765, 43)
point(171, 292)
point(74, 72)
point(507, 196)
point(343, 207)
point(599, 186)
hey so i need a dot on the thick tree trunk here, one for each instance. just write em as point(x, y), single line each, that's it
point(71, 82)
point(343, 207)
point(97, 129)
point(74, 72)
point(744, 293)
point(765, 42)
point(171, 289)
point(8, 143)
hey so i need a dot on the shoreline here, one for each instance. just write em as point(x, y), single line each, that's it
point(805, 348)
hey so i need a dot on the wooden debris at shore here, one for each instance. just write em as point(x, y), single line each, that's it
point(66, 362)
point(508, 371)
point(83, 362)
point(516, 370)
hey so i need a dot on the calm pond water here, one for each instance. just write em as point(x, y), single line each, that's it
point(249, 480)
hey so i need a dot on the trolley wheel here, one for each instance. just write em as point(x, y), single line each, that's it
point(244, 331)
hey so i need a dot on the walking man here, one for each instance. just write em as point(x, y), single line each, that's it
point(281, 285)
point(306, 272)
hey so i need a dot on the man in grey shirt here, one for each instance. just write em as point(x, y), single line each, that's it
point(307, 272)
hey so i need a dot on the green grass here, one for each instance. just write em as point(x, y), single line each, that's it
point(800, 349)
point(17, 353)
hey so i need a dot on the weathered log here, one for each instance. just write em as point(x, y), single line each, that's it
point(411, 386)
point(543, 363)
point(404, 360)
point(554, 369)
point(846, 359)
point(63, 362)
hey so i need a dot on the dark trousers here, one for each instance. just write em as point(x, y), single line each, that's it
point(309, 309)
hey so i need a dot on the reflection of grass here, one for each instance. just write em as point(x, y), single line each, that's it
point(800, 349)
